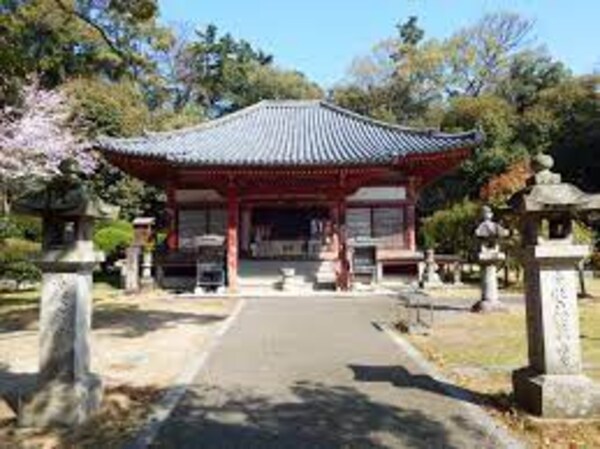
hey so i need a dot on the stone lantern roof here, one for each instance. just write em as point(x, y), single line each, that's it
point(547, 192)
point(65, 195)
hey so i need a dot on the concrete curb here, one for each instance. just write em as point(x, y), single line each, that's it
point(493, 428)
point(163, 409)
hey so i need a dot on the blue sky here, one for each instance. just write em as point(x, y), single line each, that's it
point(321, 37)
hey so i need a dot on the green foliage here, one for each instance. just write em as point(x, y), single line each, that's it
point(267, 82)
point(20, 227)
point(583, 234)
point(60, 39)
point(16, 257)
point(530, 72)
point(215, 70)
point(113, 238)
point(104, 108)
point(451, 231)
point(574, 132)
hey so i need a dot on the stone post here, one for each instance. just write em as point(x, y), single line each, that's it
point(132, 270)
point(553, 385)
point(490, 256)
point(67, 393)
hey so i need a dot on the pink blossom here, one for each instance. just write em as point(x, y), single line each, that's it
point(35, 137)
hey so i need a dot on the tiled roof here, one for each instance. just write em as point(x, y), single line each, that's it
point(289, 133)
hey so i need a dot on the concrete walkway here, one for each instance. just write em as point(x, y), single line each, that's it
point(316, 373)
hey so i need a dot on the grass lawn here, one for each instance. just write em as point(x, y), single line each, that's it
point(478, 352)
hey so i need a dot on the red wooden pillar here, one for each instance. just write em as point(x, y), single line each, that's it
point(344, 276)
point(172, 218)
point(410, 240)
point(334, 216)
point(233, 212)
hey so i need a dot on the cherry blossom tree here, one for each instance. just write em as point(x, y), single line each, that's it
point(35, 138)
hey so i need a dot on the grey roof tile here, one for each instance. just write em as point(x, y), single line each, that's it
point(289, 133)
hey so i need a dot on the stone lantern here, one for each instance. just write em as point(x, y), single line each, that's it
point(553, 385)
point(66, 392)
point(490, 233)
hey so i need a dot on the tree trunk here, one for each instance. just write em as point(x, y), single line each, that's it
point(4, 200)
point(581, 271)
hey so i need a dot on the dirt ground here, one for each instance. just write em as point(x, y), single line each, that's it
point(140, 345)
point(479, 352)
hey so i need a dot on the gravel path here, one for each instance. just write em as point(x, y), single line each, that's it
point(317, 373)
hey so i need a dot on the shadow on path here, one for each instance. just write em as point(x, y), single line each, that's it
point(400, 377)
point(130, 322)
point(317, 416)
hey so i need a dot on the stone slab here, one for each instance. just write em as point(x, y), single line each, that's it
point(556, 396)
point(62, 404)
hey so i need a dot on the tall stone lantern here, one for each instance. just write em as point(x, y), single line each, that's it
point(66, 392)
point(553, 385)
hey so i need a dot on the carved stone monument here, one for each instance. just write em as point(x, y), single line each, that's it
point(66, 392)
point(490, 255)
point(552, 385)
point(131, 270)
point(431, 278)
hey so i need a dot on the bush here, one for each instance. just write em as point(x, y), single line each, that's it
point(113, 238)
point(16, 260)
point(451, 231)
point(20, 227)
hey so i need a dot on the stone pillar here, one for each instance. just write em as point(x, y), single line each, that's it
point(132, 269)
point(67, 392)
point(232, 239)
point(553, 385)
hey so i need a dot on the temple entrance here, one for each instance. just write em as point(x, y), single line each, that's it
point(289, 233)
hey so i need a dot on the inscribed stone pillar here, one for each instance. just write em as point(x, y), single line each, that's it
point(553, 385)
point(67, 393)
point(132, 269)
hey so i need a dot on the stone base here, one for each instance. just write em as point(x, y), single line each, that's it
point(60, 404)
point(147, 285)
point(482, 306)
point(556, 396)
point(432, 282)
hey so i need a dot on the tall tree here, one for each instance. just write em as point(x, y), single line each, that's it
point(214, 69)
point(58, 39)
